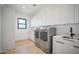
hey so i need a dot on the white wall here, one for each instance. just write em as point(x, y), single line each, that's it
point(8, 28)
point(54, 14)
point(32, 34)
point(22, 34)
point(0, 29)
point(10, 33)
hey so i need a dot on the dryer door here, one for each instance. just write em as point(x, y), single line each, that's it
point(43, 35)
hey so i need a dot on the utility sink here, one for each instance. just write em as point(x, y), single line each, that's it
point(68, 38)
point(72, 40)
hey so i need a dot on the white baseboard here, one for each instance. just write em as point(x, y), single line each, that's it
point(5, 50)
point(0, 50)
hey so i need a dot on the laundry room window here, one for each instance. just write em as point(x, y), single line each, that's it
point(21, 23)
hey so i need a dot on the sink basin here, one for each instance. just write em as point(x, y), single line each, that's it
point(70, 40)
point(67, 37)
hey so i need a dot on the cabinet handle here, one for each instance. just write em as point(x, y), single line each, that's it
point(76, 46)
point(60, 42)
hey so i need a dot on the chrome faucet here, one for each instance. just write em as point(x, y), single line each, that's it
point(71, 32)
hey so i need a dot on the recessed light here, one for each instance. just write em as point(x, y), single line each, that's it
point(34, 4)
point(23, 7)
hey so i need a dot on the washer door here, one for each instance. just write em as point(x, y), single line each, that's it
point(36, 34)
point(43, 36)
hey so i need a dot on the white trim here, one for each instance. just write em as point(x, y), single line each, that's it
point(0, 50)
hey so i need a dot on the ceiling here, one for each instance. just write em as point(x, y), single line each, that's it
point(29, 9)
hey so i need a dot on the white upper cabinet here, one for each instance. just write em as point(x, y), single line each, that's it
point(77, 13)
point(63, 14)
point(67, 13)
point(51, 15)
point(54, 14)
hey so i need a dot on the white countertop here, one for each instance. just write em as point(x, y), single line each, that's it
point(71, 41)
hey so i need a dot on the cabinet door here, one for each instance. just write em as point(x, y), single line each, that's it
point(77, 13)
point(67, 14)
point(59, 47)
point(72, 49)
point(53, 14)
point(56, 14)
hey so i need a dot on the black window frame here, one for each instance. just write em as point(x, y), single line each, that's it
point(21, 23)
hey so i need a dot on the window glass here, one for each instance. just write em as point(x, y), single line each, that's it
point(21, 23)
